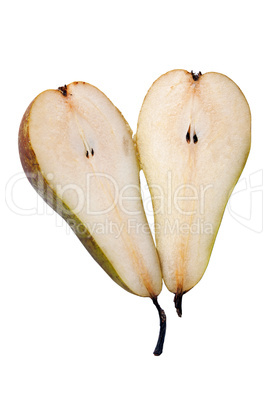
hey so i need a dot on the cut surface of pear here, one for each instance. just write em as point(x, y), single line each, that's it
point(193, 140)
point(77, 151)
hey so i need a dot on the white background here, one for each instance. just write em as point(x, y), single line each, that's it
point(68, 333)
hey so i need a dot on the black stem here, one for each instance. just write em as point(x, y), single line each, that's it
point(196, 76)
point(63, 90)
point(163, 323)
point(178, 301)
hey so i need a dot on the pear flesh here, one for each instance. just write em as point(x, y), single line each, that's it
point(193, 140)
point(77, 151)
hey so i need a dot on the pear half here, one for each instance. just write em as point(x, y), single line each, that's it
point(193, 139)
point(77, 151)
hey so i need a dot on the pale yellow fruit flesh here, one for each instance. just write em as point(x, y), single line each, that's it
point(191, 176)
point(85, 153)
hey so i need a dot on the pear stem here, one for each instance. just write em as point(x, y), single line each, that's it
point(162, 332)
point(178, 302)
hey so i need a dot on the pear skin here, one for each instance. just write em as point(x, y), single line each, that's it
point(77, 152)
point(34, 174)
point(193, 140)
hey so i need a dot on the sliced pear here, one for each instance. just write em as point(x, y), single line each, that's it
point(77, 151)
point(193, 138)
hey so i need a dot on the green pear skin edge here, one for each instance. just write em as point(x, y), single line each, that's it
point(34, 174)
point(35, 177)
